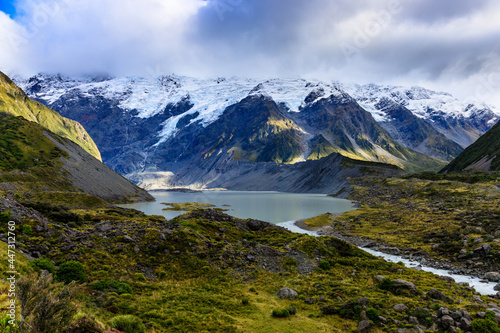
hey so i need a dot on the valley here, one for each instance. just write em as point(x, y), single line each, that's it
point(208, 270)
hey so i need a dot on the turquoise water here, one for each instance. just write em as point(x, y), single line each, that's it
point(274, 207)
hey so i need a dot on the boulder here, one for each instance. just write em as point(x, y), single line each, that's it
point(400, 308)
point(403, 285)
point(287, 293)
point(465, 324)
point(447, 321)
point(492, 276)
point(364, 325)
point(128, 239)
point(442, 311)
point(436, 294)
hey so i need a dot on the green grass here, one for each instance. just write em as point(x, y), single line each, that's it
point(186, 206)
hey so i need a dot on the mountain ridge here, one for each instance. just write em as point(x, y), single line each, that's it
point(15, 102)
point(482, 155)
point(164, 124)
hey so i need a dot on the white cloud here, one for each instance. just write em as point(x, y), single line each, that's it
point(449, 44)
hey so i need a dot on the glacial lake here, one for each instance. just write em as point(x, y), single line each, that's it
point(283, 209)
point(274, 207)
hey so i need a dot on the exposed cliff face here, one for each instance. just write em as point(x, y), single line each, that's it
point(482, 155)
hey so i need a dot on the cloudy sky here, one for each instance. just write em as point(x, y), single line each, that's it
point(450, 45)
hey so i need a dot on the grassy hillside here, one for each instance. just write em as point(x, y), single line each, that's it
point(37, 161)
point(450, 217)
point(484, 154)
point(15, 102)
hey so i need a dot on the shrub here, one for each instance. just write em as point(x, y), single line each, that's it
point(248, 235)
point(484, 326)
point(252, 289)
point(45, 307)
point(43, 264)
point(245, 301)
point(292, 309)
point(290, 263)
point(162, 275)
point(372, 314)
point(83, 324)
point(386, 284)
point(71, 271)
point(325, 265)
point(281, 313)
point(169, 322)
point(5, 216)
point(140, 277)
point(489, 315)
point(110, 285)
point(127, 324)
point(27, 229)
point(351, 310)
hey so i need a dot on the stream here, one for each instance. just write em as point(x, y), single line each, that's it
point(481, 287)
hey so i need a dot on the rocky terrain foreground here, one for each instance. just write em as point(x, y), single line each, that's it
point(206, 270)
point(445, 221)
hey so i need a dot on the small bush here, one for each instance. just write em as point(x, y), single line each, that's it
point(245, 301)
point(140, 277)
point(248, 235)
point(351, 310)
point(252, 289)
point(43, 264)
point(5, 216)
point(292, 309)
point(169, 322)
point(436, 306)
point(83, 324)
point(325, 265)
point(281, 313)
point(484, 326)
point(127, 324)
point(27, 229)
point(162, 275)
point(110, 285)
point(372, 314)
point(386, 284)
point(489, 315)
point(71, 271)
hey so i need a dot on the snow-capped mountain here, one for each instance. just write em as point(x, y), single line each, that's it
point(162, 125)
point(459, 120)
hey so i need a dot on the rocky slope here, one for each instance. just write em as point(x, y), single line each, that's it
point(15, 102)
point(37, 160)
point(326, 175)
point(482, 155)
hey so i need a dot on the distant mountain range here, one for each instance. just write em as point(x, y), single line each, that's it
point(181, 131)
